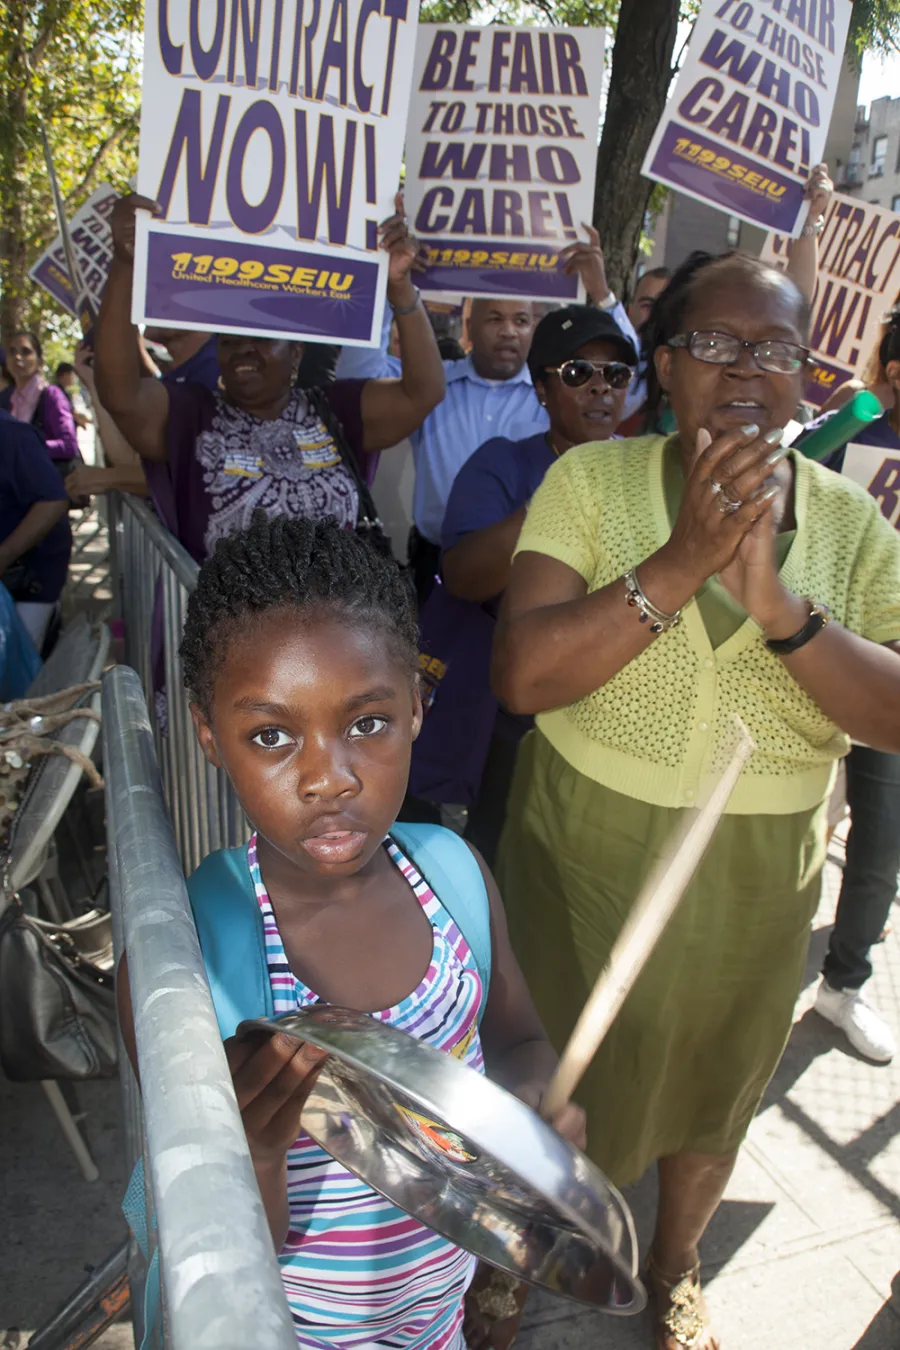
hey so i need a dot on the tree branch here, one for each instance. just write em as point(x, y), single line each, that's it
point(102, 151)
point(52, 16)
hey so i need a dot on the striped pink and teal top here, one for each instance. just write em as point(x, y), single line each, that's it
point(358, 1272)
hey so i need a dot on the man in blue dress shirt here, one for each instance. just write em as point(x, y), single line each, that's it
point(489, 394)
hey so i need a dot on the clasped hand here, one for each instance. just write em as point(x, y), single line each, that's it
point(725, 526)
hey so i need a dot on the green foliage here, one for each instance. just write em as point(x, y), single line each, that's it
point(574, 13)
point(875, 26)
point(73, 67)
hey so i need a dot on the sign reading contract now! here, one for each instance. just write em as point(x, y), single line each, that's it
point(501, 155)
point(271, 136)
point(859, 278)
point(878, 471)
point(749, 115)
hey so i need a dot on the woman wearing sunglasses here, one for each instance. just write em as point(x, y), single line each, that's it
point(661, 586)
point(582, 365)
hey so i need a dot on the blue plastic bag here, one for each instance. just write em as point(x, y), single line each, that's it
point(19, 661)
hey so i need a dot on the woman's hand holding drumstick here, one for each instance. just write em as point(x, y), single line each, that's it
point(646, 923)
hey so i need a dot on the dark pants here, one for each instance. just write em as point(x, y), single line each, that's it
point(488, 815)
point(873, 860)
point(424, 562)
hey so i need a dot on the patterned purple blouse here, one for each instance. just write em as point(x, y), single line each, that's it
point(53, 419)
point(224, 463)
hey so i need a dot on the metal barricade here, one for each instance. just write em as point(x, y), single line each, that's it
point(222, 1289)
point(153, 576)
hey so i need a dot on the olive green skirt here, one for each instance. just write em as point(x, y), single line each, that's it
point(697, 1040)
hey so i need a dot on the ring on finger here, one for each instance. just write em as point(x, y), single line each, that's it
point(725, 502)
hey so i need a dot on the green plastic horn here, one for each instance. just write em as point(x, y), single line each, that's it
point(862, 409)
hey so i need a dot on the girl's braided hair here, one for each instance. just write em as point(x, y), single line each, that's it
point(282, 563)
point(670, 309)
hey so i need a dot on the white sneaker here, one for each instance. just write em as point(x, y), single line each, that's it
point(865, 1029)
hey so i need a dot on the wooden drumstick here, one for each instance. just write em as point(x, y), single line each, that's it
point(654, 908)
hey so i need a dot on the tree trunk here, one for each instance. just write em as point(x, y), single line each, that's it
point(639, 82)
point(13, 172)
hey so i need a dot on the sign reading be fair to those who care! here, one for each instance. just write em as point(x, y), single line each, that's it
point(271, 136)
point(92, 244)
point(859, 279)
point(749, 114)
point(501, 155)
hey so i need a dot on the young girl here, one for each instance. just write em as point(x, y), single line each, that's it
point(300, 652)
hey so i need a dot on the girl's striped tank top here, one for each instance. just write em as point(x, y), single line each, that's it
point(358, 1272)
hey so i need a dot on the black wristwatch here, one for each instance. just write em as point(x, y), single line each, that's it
point(818, 618)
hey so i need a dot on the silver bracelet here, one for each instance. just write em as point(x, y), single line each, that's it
point(659, 621)
point(401, 312)
point(813, 228)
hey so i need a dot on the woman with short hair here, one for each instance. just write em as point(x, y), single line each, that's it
point(660, 587)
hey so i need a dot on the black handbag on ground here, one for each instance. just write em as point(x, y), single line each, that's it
point(57, 996)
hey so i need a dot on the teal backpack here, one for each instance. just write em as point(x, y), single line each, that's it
point(230, 927)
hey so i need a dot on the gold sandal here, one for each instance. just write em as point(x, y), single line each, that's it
point(679, 1306)
point(494, 1305)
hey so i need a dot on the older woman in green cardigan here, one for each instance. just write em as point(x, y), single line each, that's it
point(659, 588)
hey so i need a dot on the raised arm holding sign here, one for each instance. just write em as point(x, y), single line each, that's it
point(749, 114)
point(273, 153)
point(501, 155)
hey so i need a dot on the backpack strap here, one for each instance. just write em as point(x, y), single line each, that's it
point(452, 871)
point(232, 939)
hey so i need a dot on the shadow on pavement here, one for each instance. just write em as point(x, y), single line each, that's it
point(884, 1329)
point(733, 1225)
point(811, 1038)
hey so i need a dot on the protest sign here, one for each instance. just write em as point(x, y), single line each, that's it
point(859, 279)
point(749, 114)
point(501, 155)
point(91, 243)
point(271, 137)
point(878, 471)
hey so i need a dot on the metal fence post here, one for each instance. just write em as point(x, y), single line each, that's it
point(222, 1285)
point(157, 578)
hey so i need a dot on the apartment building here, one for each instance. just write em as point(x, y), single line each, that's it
point(872, 171)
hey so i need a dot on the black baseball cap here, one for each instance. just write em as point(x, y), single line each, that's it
point(561, 332)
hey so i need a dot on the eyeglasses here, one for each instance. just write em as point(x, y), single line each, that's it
point(723, 349)
point(578, 371)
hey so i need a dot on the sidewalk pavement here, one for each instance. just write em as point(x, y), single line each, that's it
point(804, 1254)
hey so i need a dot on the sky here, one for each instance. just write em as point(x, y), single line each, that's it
point(879, 78)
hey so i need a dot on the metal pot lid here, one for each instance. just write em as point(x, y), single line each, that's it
point(465, 1158)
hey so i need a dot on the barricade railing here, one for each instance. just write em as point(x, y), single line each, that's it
point(153, 576)
point(222, 1289)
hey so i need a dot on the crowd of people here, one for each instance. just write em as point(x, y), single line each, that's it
point(615, 549)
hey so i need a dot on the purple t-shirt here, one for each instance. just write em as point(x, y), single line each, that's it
point(201, 368)
point(225, 463)
point(501, 476)
point(28, 477)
